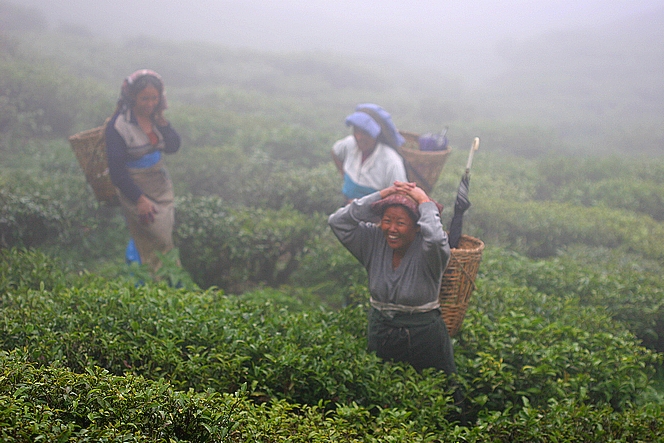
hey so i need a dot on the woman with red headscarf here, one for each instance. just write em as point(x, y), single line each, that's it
point(136, 137)
point(397, 235)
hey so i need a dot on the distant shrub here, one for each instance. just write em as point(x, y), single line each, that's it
point(521, 139)
point(257, 180)
point(329, 270)
point(612, 182)
point(39, 98)
point(29, 220)
point(543, 229)
point(230, 246)
point(203, 126)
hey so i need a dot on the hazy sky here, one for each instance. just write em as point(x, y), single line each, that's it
point(463, 33)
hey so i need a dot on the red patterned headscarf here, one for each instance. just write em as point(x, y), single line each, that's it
point(126, 89)
point(404, 200)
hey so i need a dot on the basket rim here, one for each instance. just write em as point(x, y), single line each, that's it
point(477, 241)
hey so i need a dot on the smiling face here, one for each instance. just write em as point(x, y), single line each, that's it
point(399, 228)
point(146, 101)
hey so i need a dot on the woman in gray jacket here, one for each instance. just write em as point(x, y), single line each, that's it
point(397, 235)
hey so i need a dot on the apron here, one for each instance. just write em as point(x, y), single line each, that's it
point(155, 182)
point(420, 339)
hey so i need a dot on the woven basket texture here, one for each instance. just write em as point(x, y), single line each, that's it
point(458, 281)
point(90, 150)
point(422, 167)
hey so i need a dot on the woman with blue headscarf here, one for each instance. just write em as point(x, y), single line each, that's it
point(136, 137)
point(367, 159)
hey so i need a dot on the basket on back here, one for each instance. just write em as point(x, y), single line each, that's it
point(459, 281)
point(422, 167)
point(90, 150)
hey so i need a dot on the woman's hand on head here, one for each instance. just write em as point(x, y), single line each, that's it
point(397, 188)
point(388, 191)
point(413, 191)
point(419, 195)
point(407, 188)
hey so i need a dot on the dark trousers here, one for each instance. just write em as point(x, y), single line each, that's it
point(420, 339)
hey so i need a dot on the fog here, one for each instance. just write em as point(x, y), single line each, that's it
point(588, 73)
point(465, 38)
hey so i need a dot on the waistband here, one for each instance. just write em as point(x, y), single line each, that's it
point(352, 190)
point(406, 309)
point(405, 319)
point(146, 161)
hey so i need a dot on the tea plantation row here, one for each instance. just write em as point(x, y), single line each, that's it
point(88, 358)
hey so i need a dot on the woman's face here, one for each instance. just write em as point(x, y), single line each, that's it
point(146, 101)
point(398, 228)
point(365, 142)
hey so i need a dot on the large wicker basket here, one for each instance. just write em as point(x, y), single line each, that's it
point(90, 150)
point(422, 167)
point(459, 281)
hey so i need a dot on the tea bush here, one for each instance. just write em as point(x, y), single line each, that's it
point(633, 186)
point(569, 422)
point(632, 296)
point(257, 180)
point(329, 270)
point(58, 212)
point(41, 98)
point(230, 246)
point(205, 341)
point(541, 229)
point(29, 220)
point(517, 349)
point(54, 404)
point(22, 269)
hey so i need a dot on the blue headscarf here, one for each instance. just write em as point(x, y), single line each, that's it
point(389, 133)
point(363, 121)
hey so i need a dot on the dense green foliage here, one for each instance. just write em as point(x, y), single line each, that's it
point(229, 247)
point(563, 340)
point(520, 351)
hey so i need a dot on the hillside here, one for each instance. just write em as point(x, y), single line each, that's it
point(593, 91)
point(261, 334)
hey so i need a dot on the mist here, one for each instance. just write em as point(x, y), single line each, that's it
point(465, 39)
point(588, 71)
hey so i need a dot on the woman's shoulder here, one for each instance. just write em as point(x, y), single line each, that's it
point(345, 143)
point(110, 124)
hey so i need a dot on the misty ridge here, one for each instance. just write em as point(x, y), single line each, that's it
point(592, 91)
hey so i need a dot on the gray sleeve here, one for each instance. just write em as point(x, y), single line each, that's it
point(436, 245)
point(352, 225)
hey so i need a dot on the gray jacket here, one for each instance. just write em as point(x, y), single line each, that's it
point(415, 284)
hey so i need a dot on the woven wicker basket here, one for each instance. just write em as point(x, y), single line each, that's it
point(459, 281)
point(422, 167)
point(90, 150)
